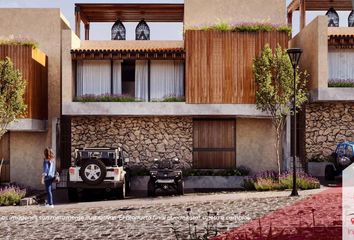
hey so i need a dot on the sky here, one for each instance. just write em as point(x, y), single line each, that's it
point(159, 31)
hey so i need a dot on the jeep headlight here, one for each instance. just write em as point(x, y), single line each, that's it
point(344, 161)
point(153, 173)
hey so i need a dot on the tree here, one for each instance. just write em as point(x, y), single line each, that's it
point(274, 76)
point(12, 89)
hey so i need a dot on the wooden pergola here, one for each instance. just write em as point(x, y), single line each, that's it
point(315, 5)
point(88, 13)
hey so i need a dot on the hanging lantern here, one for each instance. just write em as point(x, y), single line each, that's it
point(351, 19)
point(118, 31)
point(333, 18)
point(142, 31)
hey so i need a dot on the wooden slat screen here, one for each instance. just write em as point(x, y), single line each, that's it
point(219, 64)
point(32, 63)
point(214, 144)
point(5, 153)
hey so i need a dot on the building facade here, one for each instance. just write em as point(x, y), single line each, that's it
point(192, 99)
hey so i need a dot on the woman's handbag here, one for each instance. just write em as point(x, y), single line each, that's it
point(57, 177)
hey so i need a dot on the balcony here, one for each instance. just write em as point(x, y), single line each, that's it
point(328, 58)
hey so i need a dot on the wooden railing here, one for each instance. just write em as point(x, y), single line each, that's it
point(219, 64)
point(32, 63)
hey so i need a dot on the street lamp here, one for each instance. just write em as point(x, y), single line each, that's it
point(294, 55)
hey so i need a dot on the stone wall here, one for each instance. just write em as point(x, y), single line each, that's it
point(326, 125)
point(145, 138)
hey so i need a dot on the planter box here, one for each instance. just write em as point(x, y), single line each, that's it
point(317, 169)
point(196, 182)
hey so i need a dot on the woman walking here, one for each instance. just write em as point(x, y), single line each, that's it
point(48, 175)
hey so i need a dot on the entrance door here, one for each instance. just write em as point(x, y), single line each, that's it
point(5, 154)
point(214, 143)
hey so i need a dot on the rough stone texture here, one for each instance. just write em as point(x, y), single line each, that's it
point(326, 125)
point(144, 138)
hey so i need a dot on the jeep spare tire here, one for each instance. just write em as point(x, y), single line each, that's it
point(93, 171)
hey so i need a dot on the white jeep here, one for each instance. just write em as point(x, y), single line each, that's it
point(98, 168)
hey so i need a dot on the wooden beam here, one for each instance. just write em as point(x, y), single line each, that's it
point(302, 14)
point(77, 21)
point(87, 31)
point(290, 19)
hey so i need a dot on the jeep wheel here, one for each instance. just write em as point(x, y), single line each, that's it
point(73, 195)
point(180, 187)
point(93, 171)
point(329, 173)
point(121, 191)
point(151, 189)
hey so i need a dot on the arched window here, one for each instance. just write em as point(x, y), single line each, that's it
point(118, 31)
point(142, 31)
point(333, 18)
point(351, 19)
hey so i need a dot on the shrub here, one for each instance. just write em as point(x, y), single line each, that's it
point(269, 180)
point(341, 83)
point(240, 171)
point(11, 195)
point(19, 42)
point(244, 27)
point(105, 98)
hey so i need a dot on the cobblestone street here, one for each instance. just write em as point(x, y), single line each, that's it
point(143, 218)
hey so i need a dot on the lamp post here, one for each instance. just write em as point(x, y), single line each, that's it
point(294, 55)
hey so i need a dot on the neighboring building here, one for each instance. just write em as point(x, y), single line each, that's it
point(328, 57)
point(216, 126)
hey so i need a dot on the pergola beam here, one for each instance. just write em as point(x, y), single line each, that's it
point(316, 5)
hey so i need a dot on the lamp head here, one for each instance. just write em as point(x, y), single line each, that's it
point(294, 55)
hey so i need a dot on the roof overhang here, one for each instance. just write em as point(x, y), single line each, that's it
point(321, 5)
point(111, 12)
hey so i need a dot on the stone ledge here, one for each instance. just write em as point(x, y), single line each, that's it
point(332, 95)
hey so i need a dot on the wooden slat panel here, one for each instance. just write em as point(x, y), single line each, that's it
point(214, 143)
point(214, 160)
point(32, 64)
point(5, 154)
point(219, 64)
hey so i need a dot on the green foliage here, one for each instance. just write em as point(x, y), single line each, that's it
point(268, 181)
point(341, 84)
point(274, 77)
point(106, 98)
point(241, 171)
point(11, 196)
point(171, 99)
point(243, 27)
point(12, 90)
point(19, 42)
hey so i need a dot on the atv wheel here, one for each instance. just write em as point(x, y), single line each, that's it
point(329, 173)
point(151, 189)
point(180, 187)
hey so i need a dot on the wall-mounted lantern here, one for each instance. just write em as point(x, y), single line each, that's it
point(142, 31)
point(333, 18)
point(118, 31)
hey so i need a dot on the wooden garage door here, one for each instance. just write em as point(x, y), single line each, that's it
point(214, 143)
point(5, 153)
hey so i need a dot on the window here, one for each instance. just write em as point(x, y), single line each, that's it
point(167, 79)
point(349, 151)
point(94, 77)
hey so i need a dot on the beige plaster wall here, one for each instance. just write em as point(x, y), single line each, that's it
point(44, 26)
point(69, 41)
point(313, 40)
point(255, 140)
point(208, 12)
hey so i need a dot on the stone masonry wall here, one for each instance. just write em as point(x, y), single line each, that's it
point(326, 125)
point(145, 138)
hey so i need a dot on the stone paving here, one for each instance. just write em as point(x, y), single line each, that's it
point(143, 218)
